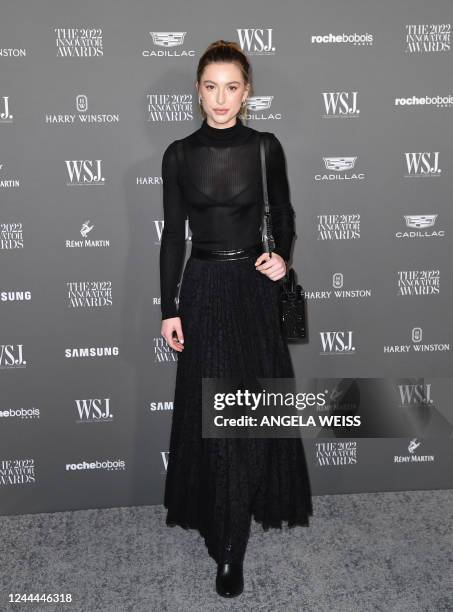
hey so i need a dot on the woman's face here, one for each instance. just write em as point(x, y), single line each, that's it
point(222, 87)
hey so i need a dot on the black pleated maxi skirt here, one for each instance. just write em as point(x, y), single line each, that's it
point(230, 321)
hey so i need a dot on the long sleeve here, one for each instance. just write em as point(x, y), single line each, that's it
point(282, 212)
point(173, 243)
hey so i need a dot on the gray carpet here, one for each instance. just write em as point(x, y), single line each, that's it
point(390, 552)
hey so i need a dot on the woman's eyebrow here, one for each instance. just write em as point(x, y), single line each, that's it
point(210, 81)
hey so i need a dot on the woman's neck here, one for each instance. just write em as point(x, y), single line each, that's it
point(234, 134)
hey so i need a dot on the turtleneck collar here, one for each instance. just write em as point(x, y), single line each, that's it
point(218, 136)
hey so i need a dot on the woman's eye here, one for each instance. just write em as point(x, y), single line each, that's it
point(232, 87)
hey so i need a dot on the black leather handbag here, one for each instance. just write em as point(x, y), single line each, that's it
point(292, 297)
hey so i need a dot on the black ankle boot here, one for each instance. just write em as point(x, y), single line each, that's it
point(230, 577)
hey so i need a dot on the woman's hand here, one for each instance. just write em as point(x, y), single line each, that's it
point(274, 267)
point(168, 327)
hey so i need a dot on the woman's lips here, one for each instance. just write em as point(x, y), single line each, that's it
point(220, 111)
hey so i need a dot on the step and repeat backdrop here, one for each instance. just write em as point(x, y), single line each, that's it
point(91, 93)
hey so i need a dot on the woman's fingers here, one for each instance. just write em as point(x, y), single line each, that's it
point(179, 342)
point(274, 267)
point(173, 343)
point(172, 332)
point(263, 260)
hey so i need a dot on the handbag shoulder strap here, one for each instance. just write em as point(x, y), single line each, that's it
point(263, 172)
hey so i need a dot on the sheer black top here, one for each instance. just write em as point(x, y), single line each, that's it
point(213, 178)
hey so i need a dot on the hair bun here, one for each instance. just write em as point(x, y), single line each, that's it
point(230, 44)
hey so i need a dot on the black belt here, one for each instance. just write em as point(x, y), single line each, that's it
point(229, 254)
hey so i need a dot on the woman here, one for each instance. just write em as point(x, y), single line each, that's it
point(228, 318)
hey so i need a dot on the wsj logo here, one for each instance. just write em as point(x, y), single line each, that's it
point(160, 227)
point(256, 41)
point(340, 104)
point(84, 172)
point(94, 410)
point(12, 356)
point(337, 342)
point(5, 115)
point(422, 164)
point(414, 395)
point(164, 456)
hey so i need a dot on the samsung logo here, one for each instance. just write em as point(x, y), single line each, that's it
point(92, 351)
point(15, 296)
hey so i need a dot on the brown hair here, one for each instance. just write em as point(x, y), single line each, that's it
point(226, 51)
